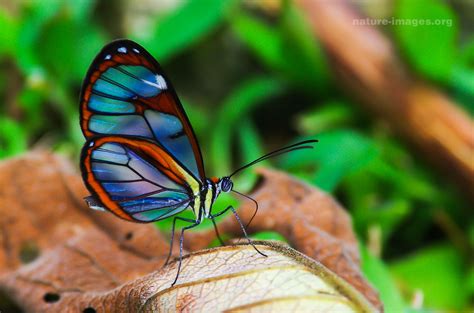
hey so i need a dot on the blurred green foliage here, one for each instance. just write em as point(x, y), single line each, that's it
point(430, 48)
point(251, 80)
point(425, 271)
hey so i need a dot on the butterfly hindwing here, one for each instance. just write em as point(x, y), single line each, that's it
point(136, 179)
point(126, 93)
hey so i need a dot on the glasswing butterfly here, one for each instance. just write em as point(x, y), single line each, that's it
point(141, 160)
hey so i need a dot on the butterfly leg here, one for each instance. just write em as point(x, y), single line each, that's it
point(172, 235)
point(241, 226)
point(217, 232)
point(181, 240)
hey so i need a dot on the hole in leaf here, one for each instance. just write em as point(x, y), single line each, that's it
point(89, 310)
point(51, 297)
point(29, 251)
point(128, 235)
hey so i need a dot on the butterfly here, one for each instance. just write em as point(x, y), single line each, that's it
point(141, 160)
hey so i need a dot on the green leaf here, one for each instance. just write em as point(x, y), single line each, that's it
point(33, 17)
point(237, 106)
point(396, 173)
point(462, 78)
point(342, 154)
point(304, 63)
point(303, 56)
point(470, 281)
point(337, 154)
point(323, 118)
point(31, 100)
point(251, 148)
point(438, 272)
point(378, 274)
point(250, 142)
point(466, 57)
point(388, 215)
point(184, 27)
point(199, 117)
point(12, 137)
point(462, 81)
point(264, 41)
point(429, 37)
point(268, 235)
point(410, 182)
point(66, 39)
point(8, 33)
point(80, 10)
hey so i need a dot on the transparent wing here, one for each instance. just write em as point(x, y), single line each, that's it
point(135, 179)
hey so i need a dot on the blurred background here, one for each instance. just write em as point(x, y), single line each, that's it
point(386, 86)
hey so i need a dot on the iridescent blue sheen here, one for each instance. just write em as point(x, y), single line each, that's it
point(176, 210)
point(136, 185)
point(113, 172)
point(108, 88)
point(136, 79)
point(139, 71)
point(117, 92)
point(120, 125)
point(113, 147)
point(131, 190)
point(151, 173)
point(109, 156)
point(107, 105)
point(126, 82)
point(150, 203)
point(168, 130)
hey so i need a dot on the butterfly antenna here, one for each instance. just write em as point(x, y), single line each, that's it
point(306, 144)
point(254, 201)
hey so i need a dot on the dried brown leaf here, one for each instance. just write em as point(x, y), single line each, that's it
point(310, 219)
point(59, 256)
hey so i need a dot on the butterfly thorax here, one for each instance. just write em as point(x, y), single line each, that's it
point(210, 190)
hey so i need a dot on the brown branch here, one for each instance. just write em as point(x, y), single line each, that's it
point(366, 63)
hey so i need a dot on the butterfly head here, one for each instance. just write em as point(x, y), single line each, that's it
point(225, 184)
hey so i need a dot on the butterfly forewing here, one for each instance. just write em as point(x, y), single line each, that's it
point(126, 93)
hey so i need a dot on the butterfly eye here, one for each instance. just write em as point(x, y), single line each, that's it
point(226, 184)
